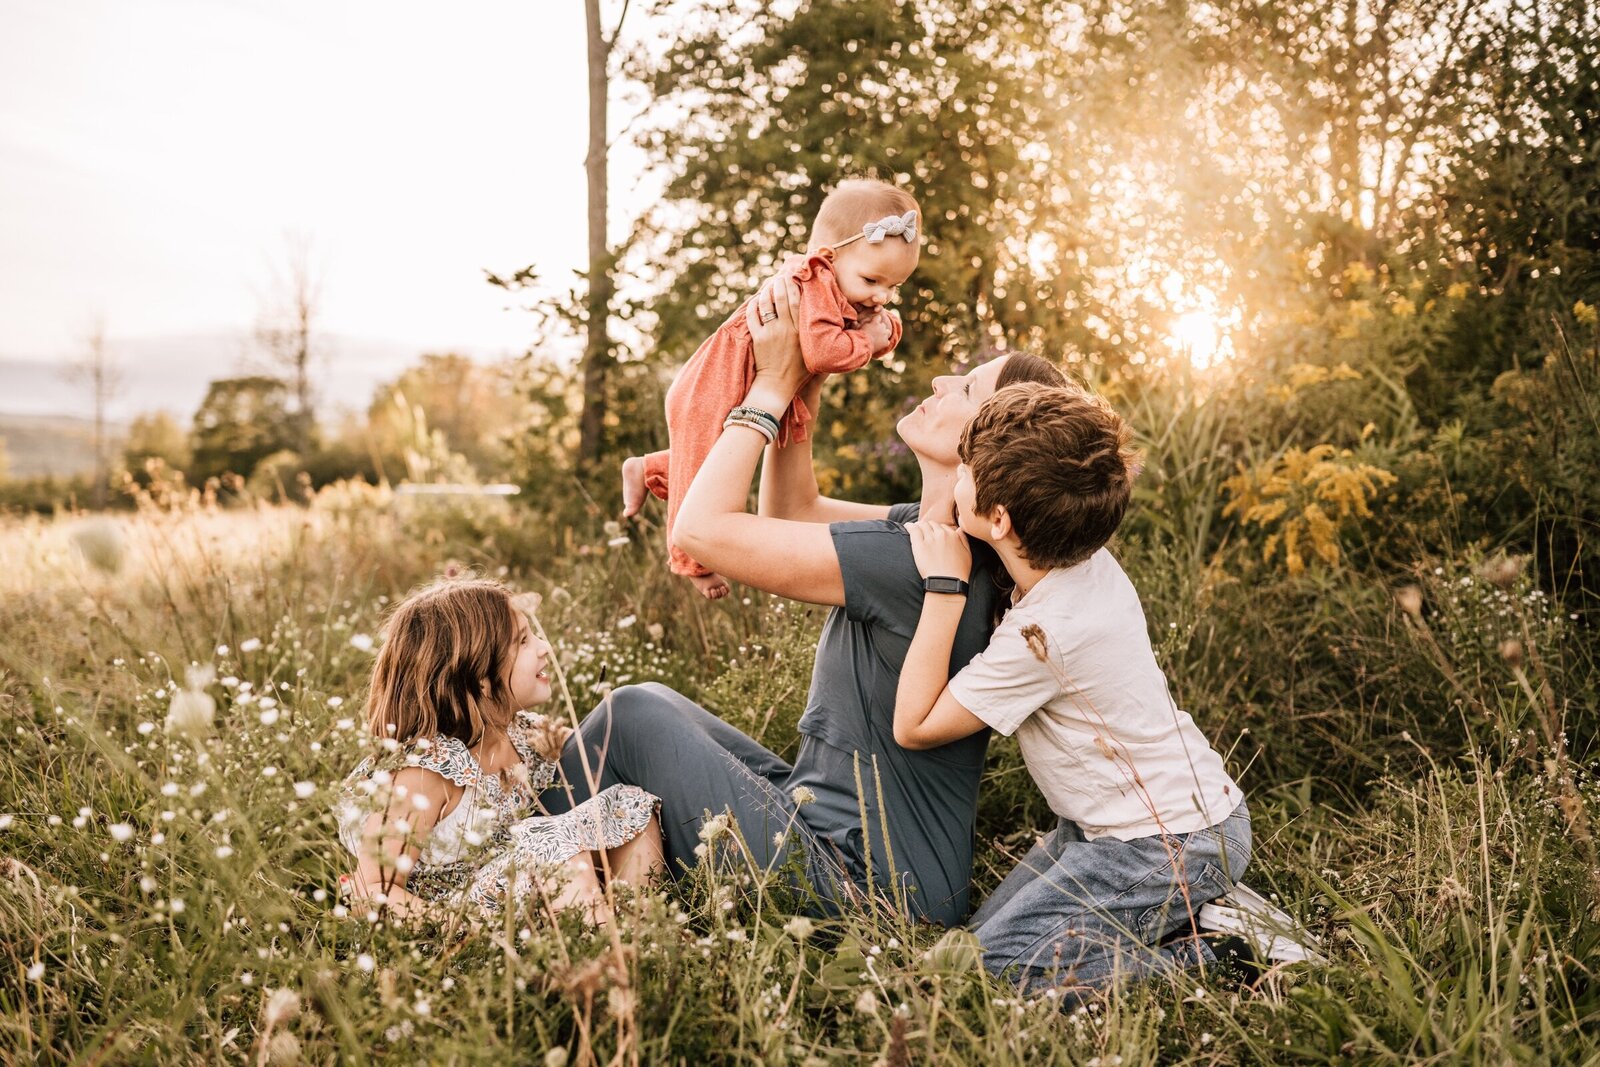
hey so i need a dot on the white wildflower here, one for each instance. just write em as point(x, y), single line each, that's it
point(303, 790)
point(280, 1006)
point(120, 831)
point(365, 962)
point(190, 713)
point(361, 642)
point(35, 972)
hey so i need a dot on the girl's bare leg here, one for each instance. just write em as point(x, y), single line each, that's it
point(579, 886)
point(640, 860)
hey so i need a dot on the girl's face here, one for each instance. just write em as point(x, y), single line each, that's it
point(868, 274)
point(530, 674)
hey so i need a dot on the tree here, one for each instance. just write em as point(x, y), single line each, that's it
point(240, 422)
point(287, 335)
point(98, 369)
point(156, 436)
point(473, 405)
point(597, 350)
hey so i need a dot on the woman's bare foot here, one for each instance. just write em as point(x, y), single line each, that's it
point(633, 490)
point(711, 586)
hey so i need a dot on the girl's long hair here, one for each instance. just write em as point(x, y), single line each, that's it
point(445, 665)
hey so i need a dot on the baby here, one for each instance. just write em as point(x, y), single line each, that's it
point(864, 244)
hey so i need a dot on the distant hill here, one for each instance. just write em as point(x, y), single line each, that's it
point(52, 444)
point(170, 374)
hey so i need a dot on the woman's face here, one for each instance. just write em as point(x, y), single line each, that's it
point(530, 674)
point(933, 430)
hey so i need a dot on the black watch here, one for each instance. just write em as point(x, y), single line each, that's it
point(939, 584)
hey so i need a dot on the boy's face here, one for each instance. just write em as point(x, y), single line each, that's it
point(869, 273)
point(967, 517)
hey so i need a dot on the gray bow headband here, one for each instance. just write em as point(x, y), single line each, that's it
point(888, 226)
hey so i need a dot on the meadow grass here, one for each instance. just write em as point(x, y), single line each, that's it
point(1419, 787)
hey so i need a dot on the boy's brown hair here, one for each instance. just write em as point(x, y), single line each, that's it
point(445, 664)
point(1057, 459)
point(853, 204)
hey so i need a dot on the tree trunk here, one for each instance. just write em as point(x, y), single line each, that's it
point(597, 349)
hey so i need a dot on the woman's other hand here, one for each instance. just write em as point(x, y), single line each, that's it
point(940, 549)
point(776, 337)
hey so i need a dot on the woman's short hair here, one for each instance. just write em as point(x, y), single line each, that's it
point(445, 664)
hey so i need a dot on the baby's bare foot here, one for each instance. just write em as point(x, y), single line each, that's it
point(711, 586)
point(633, 490)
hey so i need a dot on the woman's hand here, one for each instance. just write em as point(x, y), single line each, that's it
point(780, 370)
point(941, 550)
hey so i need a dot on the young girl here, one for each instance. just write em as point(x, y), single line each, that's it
point(863, 246)
point(445, 814)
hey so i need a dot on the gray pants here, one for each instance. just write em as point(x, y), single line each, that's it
point(655, 738)
point(1078, 913)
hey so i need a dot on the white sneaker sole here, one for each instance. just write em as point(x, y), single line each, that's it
point(1272, 932)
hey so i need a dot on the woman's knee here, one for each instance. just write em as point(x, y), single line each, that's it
point(629, 710)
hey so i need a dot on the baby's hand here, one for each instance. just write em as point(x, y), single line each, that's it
point(879, 331)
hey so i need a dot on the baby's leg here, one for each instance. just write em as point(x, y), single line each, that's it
point(632, 486)
point(712, 586)
point(640, 860)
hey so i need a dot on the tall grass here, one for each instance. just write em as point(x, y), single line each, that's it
point(1420, 798)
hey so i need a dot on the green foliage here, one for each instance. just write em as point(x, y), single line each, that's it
point(240, 422)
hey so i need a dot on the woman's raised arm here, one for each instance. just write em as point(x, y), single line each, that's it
point(789, 478)
point(791, 558)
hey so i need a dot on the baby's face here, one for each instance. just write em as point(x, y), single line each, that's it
point(869, 273)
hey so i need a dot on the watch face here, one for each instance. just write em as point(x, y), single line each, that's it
point(944, 585)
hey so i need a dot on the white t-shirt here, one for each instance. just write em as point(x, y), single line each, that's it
point(1071, 672)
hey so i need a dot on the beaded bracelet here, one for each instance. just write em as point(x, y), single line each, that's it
point(746, 421)
point(766, 419)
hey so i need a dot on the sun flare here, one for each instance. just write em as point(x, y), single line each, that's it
point(1198, 337)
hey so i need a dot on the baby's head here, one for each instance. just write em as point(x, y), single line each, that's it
point(1050, 465)
point(458, 659)
point(868, 262)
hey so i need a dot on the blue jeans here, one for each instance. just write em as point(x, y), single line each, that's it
point(1077, 913)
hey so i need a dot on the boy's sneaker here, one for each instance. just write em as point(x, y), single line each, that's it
point(1271, 933)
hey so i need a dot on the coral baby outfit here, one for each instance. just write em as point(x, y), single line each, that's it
point(718, 375)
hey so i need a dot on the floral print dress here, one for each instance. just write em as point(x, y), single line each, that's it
point(495, 843)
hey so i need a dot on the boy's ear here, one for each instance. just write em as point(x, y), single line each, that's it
point(999, 523)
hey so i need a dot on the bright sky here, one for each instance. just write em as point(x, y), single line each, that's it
point(153, 156)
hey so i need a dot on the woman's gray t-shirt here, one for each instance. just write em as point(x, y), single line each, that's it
point(929, 798)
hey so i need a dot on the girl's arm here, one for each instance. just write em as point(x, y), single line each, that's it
point(789, 478)
point(392, 839)
point(926, 715)
point(783, 556)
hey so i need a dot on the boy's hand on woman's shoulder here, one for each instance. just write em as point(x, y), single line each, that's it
point(940, 549)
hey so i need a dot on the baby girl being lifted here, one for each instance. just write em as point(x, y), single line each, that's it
point(864, 243)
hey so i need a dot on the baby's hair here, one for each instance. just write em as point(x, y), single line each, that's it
point(445, 664)
point(852, 205)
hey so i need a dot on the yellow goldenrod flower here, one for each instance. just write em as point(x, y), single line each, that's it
point(1301, 499)
point(1458, 291)
point(1584, 313)
point(1403, 308)
point(1357, 274)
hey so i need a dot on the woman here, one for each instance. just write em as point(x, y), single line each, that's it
point(916, 845)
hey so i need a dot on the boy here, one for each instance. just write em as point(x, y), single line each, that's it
point(1150, 826)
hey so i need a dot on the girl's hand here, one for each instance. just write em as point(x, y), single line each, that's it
point(776, 337)
point(941, 550)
